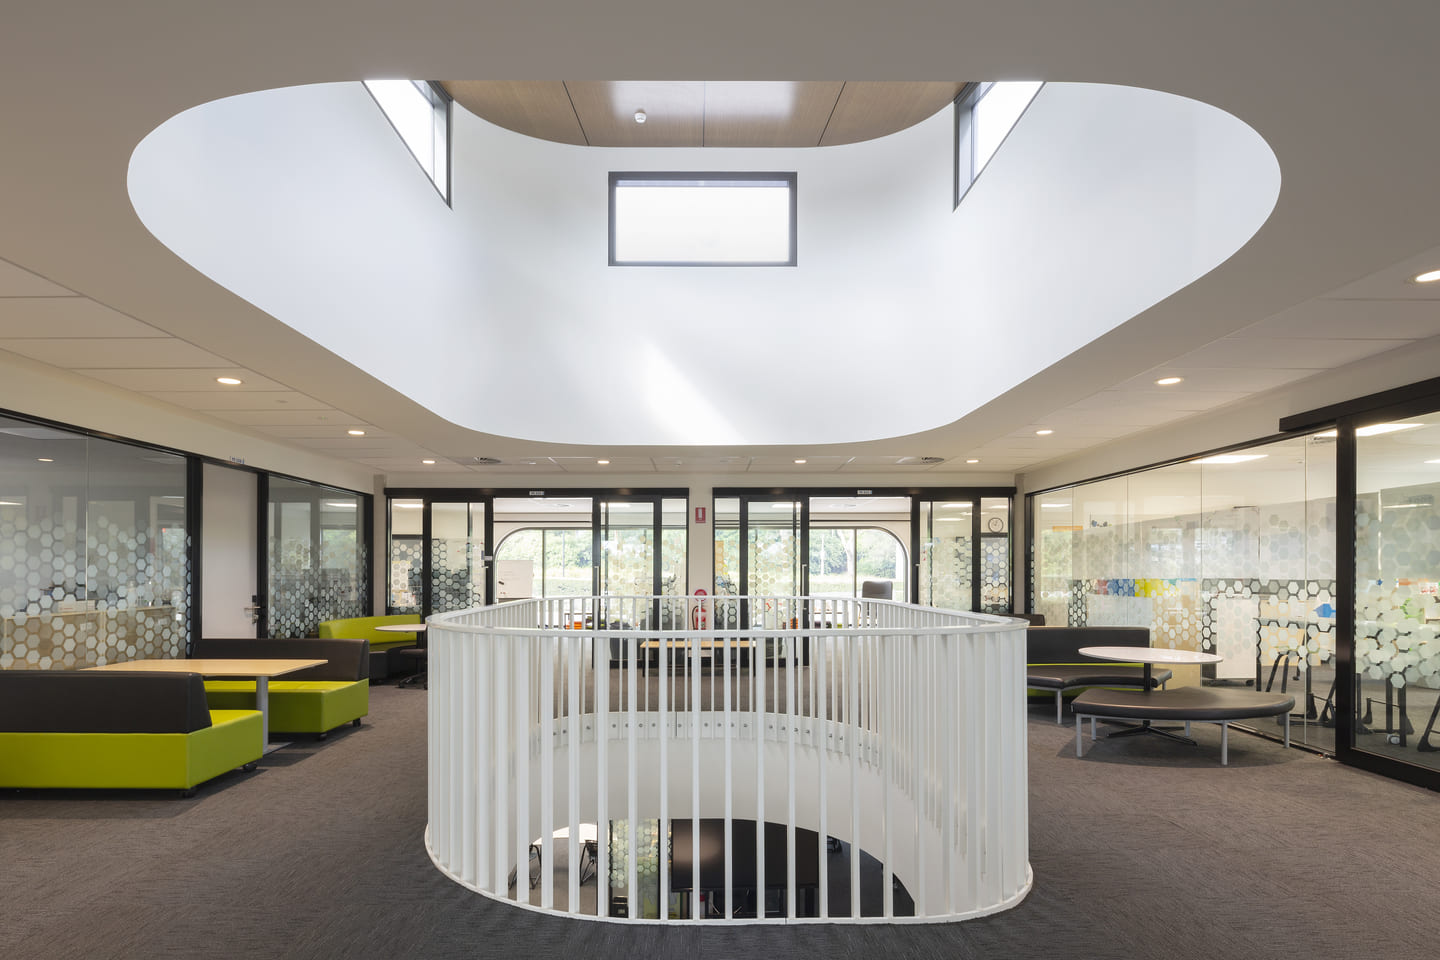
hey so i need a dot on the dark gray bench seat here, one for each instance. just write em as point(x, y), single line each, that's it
point(1053, 660)
point(1221, 705)
point(1062, 677)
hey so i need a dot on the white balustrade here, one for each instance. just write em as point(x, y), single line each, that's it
point(897, 729)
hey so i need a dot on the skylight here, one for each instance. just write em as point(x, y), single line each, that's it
point(420, 113)
point(702, 219)
point(985, 113)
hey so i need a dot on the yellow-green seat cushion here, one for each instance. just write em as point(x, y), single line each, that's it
point(297, 706)
point(131, 760)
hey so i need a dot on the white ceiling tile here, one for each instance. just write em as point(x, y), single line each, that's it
point(65, 317)
point(1203, 378)
point(1353, 320)
point(1283, 353)
point(151, 380)
point(17, 282)
point(264, 418)
point(811, 464)
point(327, 429)
point(1158, 398)
point(1112, 419)
point(616, 464)
point(106, 353)
point(541, 465)
point(223, 399)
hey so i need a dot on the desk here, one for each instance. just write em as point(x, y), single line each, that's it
point(261, 670)
point(1149, 656)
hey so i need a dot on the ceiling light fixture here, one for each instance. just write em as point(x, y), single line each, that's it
point(640, 116)
point(428, 463)
point(229, 381)
point(1168, 381)
point(356, 433)
point(44, 460)
point(1429, 276)
point(1044, 433)
point(972, 461)
point(603, 463)
point(800, 461)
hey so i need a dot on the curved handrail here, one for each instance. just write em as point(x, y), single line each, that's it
point(900, 732)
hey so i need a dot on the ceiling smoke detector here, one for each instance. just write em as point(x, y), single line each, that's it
point(927, 461)
point(485, 461)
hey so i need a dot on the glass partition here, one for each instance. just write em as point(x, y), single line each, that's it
point(1397, 576)
point(1232, 554)
point(407, 541)
point(94, 564)
point(315, 556)
point(457, 556)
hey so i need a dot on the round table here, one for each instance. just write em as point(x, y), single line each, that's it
point(1148, 656)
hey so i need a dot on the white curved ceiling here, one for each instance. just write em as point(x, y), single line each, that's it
point(501, 313)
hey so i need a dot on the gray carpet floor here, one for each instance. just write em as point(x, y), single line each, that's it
point(1142, 849)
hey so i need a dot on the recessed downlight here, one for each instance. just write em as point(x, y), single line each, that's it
point(356, 433)
point(428, 463)
point(602, 463)
point(1044, 433)
point(1168, 381)
point(1429, 276)
point(972, 461)
point(229, 381)
point(44, 459)
point(800, 460)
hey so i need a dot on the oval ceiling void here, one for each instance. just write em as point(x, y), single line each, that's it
point(902, 314)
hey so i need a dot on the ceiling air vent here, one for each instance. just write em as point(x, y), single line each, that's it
point(926, 461)
point(485, 461)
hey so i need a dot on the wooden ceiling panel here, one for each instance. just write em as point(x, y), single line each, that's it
point(741, 114)
point(674, 111)
point(875, 109)
point(537, 109)
point(703, 114)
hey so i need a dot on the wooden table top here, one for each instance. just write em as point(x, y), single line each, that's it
point(212, 667)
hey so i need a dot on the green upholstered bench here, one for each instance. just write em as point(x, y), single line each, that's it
point(76, 729)
point(315, 700)
point(381, 642)
point(1055, 665)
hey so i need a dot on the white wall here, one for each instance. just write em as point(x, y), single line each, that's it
point(503, 316)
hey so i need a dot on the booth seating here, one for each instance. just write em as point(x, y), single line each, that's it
point(1053, 661)
point(78, 729)
point(1220, 705)
point(382, 643)
point(315, 700)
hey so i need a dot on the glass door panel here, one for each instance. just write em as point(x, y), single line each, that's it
point(457, 556)
point(544, 547)
point(947, 554)
point(727, 546)
point(627, 548)
point(774, 559)
point(407, 542)
point(858, 547)
point(1397, 600)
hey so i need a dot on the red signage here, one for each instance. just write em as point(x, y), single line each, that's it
point(699, 514)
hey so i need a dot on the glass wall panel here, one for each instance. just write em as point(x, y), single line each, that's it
point(94, 564)
point(1232, 554)
point(315, 556)
point(727, 546)
point(947, 554)
point(627, 549)
point(457, 556)
point(1397, 570)
point(407, 518)
point(995, 555)
point(674, 543)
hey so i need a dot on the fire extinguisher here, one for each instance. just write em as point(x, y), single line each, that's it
point(699, 617)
